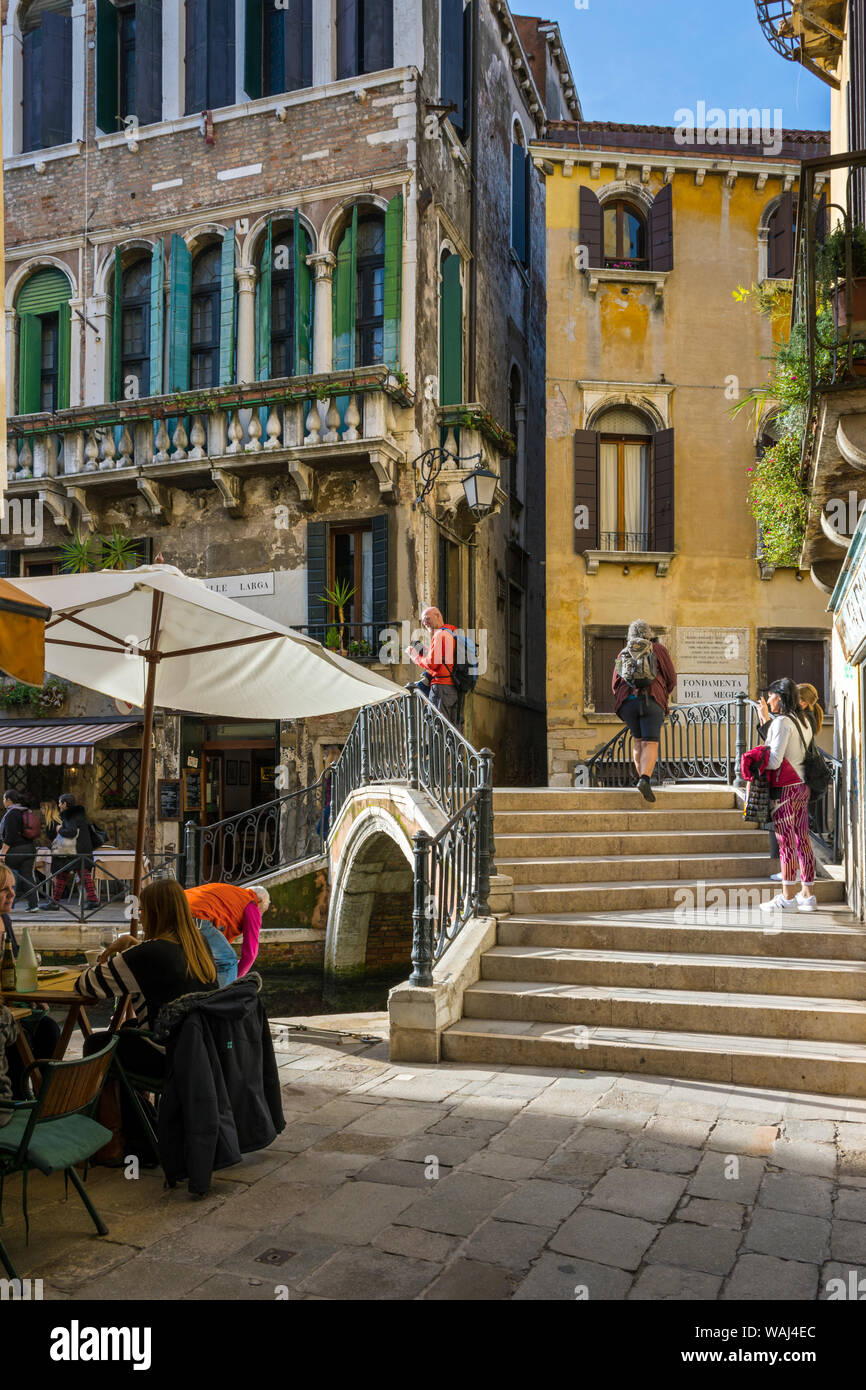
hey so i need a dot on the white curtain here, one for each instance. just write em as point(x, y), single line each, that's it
point(636, 500)
point(608, 509)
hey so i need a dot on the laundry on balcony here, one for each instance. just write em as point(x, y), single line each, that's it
point(40, 743)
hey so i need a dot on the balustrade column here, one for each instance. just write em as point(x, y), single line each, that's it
point(422, 922)
point(246, 278)
point(739, 780)
point(412, 739)
point(322, 264)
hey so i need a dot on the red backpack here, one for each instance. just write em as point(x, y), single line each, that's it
point(31, 825)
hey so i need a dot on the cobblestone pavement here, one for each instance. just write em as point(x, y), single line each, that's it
point(460, 1182)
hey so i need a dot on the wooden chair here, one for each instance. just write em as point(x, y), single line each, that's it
point(55, 1130)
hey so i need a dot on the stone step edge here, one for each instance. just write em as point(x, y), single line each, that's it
point(707, 959)
point(687, 998)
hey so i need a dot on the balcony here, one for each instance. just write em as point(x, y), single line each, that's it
point(829, 321)
point(72, 458)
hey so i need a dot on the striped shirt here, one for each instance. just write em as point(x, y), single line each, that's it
point(151, 974)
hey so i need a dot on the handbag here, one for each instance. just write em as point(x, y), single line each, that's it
point(757, 803)
point(64, 846)
point(816, 772)
point(98, 836)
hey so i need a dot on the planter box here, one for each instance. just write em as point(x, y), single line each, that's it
point(858, 305)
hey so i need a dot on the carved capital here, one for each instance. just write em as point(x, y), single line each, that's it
point(158, 498)
point(59, 505)
point(322, 263)
point(230, 489)
point(304, 478)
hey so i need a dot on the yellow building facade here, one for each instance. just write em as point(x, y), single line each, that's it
point(648, 235)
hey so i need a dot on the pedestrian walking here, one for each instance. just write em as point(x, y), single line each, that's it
point(643, 682)
point(19, 830)
point(437, 660)
point(72, 851)
point(788, 739)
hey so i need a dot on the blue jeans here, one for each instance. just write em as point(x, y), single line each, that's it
point(224, 957)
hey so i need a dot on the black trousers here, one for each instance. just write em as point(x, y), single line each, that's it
point(139, 1055)
point(43, 1035)
point(22, 862)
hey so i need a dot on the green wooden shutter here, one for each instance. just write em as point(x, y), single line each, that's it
point(43, 293)
point(393, 280)
point(263, 308)
point(317, 578)
point(107, 68)
point(64, 334)
point(345, 277)
point(29, 364)
point(227, 309)
point(117, 328)
point(157, 304)
point(450, 333)
point(179, 307)
point(302, 300)
point(380, 574)
point(253, 49)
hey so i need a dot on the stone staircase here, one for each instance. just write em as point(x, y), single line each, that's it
point(636, 944)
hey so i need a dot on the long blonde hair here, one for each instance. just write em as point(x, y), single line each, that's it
point(165, 915)
point(809, 695)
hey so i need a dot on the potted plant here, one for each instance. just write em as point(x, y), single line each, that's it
point(831, 272)
point(338, 597)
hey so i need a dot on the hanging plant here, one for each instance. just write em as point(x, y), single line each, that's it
point(40, 698)
point(779, 501)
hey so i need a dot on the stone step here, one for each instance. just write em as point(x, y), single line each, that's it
point(625, 896)
point(775, 1063)
point(521, 822)
point(683, 1010)
point(809, 936)
point(629, 844)
point(778, 975)
point(706, 796)
point(610, 869)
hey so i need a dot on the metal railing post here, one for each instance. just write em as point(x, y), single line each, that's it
point(739, 780)
point(190, 866)
point(412, 739)
point(422, 923)
point(487, 855)
point(363, 736)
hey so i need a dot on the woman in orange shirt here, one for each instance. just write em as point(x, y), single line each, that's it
point(226, 911)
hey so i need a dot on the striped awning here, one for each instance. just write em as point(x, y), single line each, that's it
point(53, 745)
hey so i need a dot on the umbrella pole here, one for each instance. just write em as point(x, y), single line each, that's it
point(152, 658)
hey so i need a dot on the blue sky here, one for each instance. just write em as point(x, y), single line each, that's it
point(640, 60)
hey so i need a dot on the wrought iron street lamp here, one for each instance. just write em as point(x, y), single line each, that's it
point(479, 486)
point(480, 489)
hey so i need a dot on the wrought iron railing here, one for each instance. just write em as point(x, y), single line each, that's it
point(360, 641)
point(625, 540)
point(244, 847)
point(827, 309)
point(406, 740)
point(65, 890)
point(827, 812)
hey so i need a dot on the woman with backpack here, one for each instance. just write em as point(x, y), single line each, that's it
point(20, 828)
point(643, 682)
point(72, 851)
point(790, 744)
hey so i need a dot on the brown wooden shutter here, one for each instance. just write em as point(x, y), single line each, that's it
point(605, 652)
point(590, 226)
point(586, 489)
point(821, 219)
point(798, 661)
point(661, 230)
point(663, 490)
point(780, 260)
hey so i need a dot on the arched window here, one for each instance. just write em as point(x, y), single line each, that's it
point(128, 62)
point(210, 54)
point(370, 294)
point(365, 36)
point(46, 51)
point(284, 301)
point(519, 196)
point(450, 329)
point(205, 318)
point(131, 341)
point(625, 236)
point(278, 55)
point(43, 344)
point(625, 470)
point(367, 287)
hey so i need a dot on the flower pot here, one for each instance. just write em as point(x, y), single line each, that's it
point(858, 306)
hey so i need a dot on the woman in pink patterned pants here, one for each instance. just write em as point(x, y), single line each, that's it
point(788, 737)
point(791, 824)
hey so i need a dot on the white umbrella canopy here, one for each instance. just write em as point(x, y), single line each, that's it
point(154, 636)
point(215, 656)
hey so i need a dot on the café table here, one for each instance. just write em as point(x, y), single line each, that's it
point(54, 991)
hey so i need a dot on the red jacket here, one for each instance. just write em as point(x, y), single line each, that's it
point(439, 660)
point(754, 764)
point(661, 688)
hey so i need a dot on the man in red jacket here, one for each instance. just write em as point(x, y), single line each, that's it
point(438, 661)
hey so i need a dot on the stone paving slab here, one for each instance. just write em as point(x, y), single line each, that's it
point(451, 1183)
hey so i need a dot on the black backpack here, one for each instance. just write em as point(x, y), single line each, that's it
point(816, 769)
point(464, 672)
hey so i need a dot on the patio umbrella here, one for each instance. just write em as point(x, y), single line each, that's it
point(154, 636)
point(22, 634)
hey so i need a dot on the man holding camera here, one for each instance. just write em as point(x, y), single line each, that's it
point(437, 661)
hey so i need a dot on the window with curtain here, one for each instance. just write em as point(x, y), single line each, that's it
point(134, 328)
point(370, 290)
point(128, 63)
point(43, 342)
point(351, 562)
point(625, 236)
point(205, 318)
point(625, 465)
point(210, 54)
point(365, 36)
point(46, 53)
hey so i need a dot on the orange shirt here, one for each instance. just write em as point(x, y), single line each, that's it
point(224, 904)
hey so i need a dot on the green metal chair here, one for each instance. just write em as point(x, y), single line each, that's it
point(55, 1130)
point(136, 1085)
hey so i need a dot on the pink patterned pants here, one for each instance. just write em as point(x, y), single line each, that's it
point(791, 824)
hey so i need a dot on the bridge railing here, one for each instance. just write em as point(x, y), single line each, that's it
point(252, 843)
point(406, 740)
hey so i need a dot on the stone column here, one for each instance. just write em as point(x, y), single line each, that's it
point(246, 278)
point(76, 328)
point(11, 362)
point(96, 382)
point(322, 263)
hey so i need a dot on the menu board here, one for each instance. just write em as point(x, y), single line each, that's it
point(168, 799)
point(191, 789)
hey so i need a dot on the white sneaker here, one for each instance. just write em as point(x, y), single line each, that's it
point(780, 903)
point(776, 878)
point(806, 903)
